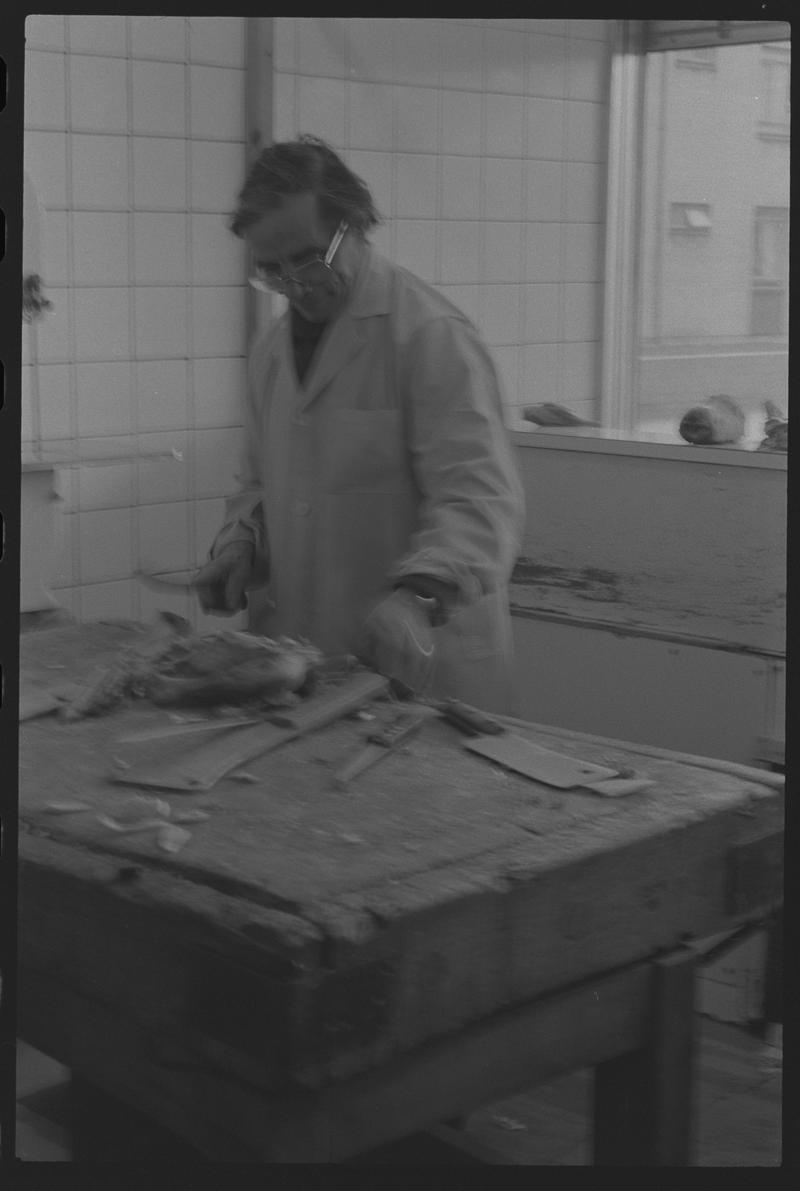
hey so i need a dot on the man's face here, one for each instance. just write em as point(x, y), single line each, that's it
point(288, 237)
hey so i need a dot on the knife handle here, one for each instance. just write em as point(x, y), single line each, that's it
point(377, 745)
point(468, 719)
point(396, 731)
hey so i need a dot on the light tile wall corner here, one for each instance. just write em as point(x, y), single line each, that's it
point(164, 536)
point(161, 390)
point(217, 110)
point(164, 466)
point(484, 142)
point(98, 94)
point(104, 543)
point(135, 138)
point(108, 601)
point(218, 41)
point(45, 32)
point(158, 37)
point(97, 35)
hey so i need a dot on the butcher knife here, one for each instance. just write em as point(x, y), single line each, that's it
point(379, 744)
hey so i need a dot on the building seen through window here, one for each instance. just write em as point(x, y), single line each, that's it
point(712, 302)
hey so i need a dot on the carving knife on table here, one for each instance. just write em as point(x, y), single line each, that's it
point(379, 744)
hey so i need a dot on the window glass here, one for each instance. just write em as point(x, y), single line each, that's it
point(713, 255)
point(700, 58)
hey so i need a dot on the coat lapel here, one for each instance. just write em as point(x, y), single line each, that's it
point(348, 335)
point(343, 342)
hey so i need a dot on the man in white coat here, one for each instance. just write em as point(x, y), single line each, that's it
point(379, 500)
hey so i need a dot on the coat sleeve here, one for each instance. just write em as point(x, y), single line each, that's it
point(472, 511)
point(244, 510)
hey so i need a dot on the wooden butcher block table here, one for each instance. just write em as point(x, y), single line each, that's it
point(321, 970)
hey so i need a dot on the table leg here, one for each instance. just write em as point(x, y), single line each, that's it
point(643, 1099)
point(773, 975)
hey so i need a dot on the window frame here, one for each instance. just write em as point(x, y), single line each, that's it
point(763, 284)
point(687, 228)
point(631, 43)
point(773, 124)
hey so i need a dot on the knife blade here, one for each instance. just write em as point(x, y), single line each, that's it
point(190, 728)
point(178, 582)
point(173, 581)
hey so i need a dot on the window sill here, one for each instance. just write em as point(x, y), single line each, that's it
point(630, 621)
point(612, 442)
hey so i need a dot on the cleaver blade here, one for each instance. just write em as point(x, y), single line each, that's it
point(534, 761)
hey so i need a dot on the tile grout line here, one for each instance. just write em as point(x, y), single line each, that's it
point(133, 348)
point(74, 474)
point(440, 149)
point(513, 414)
point(190, 408)
point(481, 303)
point(394, 139)
point(562, 238)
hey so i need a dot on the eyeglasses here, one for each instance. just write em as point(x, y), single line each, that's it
point(304, 275)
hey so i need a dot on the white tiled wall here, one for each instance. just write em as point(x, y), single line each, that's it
point(484, 143)
point(135, 140)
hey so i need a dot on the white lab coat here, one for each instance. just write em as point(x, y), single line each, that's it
point(391, 459)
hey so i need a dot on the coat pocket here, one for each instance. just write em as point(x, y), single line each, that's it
point(363, 450)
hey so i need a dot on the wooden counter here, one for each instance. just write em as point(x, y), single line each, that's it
point(319, 971)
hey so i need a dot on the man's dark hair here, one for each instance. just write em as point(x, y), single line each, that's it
point(297, 167)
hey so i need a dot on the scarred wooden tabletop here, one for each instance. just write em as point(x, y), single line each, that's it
point(431, 892)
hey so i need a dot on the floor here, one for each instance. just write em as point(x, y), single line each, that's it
point(738, 1109)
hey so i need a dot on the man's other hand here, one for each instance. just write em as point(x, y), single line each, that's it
point(221, 583)
point(398, 641)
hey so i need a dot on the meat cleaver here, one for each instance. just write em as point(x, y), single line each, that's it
point(541, 764)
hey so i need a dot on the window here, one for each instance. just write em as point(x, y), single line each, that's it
point(770, 284)
point(698, 236)
point(691, 218)
point(773, 92)
point(701, 58)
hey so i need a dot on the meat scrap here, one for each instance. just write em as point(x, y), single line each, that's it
point(183, 668)
point(234, 668)
point(776, 430)
point(130, 672)
point(716, 420)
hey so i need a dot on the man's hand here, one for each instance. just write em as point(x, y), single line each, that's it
point(398, 641)
point(221, 583)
